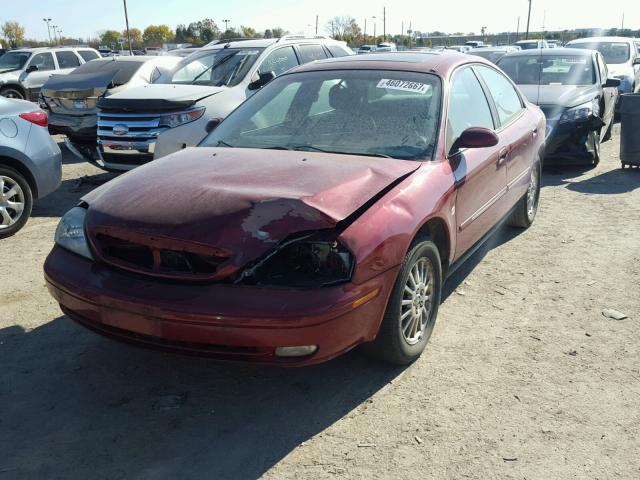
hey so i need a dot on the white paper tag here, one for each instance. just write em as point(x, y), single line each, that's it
point(403, 85)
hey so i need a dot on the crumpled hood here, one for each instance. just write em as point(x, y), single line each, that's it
point(561, 95)
point(240, 201)
point(9, 75)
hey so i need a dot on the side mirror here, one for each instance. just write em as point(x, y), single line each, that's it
point(636, 61)
point(32, 68)
point(212, 124)
point(263, 79)
point(612, 82)
point(475, 137)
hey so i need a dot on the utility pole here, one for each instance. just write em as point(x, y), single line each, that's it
point(526, 37)
point(316, 24)
point(226, 25)
point(47, 20)
point(126, 19)
point(518, 29)
point(384, 24)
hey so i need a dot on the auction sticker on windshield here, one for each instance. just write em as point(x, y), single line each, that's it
point(403, 85)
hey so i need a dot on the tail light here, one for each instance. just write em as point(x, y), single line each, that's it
point(39, 117)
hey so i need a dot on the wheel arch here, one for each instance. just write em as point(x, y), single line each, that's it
point(23, 170)
point(437, 230)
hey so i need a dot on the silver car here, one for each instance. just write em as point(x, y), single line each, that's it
point(30, 162)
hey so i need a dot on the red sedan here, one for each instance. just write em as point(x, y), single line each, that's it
point(325, 212)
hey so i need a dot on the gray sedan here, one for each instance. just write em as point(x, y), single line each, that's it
point(30, 162)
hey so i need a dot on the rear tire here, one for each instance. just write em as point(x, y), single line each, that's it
point(10, 92)
point(525, 211)
point(413, 307)
point(16, 201)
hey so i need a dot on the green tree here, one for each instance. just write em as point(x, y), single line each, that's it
point(278, 32)
point(109, 36)
point(156, 35)
point(248, 32)
point(13, 32)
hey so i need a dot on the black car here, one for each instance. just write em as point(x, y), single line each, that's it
point(572, 88)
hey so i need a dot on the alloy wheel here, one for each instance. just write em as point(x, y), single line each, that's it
point(12, 202)
point(417, 301)
point(532, 194)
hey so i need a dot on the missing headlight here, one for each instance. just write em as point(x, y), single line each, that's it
point(308, 262)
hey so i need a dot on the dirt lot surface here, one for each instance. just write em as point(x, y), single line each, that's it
point(523, 378)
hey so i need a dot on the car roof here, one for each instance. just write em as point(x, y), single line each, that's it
point(438, 62)
point(503, 48)
point(602, 39)
point(50, 49)
point(267, 42)
point(552, 52)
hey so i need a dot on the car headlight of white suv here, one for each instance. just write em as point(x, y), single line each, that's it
point(70, 233)
point(181, 118)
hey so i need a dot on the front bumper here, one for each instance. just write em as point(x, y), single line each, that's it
point(81, 129)
point(223, 321)
point(569, 144)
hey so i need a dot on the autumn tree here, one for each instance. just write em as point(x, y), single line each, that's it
point(135, 34)
point(343, 28)
point(156, 35)
point(13, 32)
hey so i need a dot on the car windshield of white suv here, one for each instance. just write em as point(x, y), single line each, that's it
point(357, 112)
point(13, 60)
point(613, 52)
point(549, 70)
point(215, 68)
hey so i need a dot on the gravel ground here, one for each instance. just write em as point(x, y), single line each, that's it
point(523, 378)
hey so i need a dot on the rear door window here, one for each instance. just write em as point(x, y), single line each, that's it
point(309, 53)
point(279, 61)
point(468, 106)
point(67, 60)
point(336, 51)
point(88, 55)
point(44, 62)
point(504, 94)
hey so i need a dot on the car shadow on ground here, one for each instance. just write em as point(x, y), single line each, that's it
point(74, 404)
point(555, 175)
point(612, 182)
point(68, 195)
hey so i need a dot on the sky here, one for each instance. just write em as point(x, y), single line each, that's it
point(85, 18)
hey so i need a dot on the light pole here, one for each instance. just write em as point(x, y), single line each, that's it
point(374, 29)
point(60, 36)
point(365, 30)
point(518, 30)
point(384, 24)
point(526, 37)
point(47, 20)
point(55, 38)
point(226, 25)
point(126, 19)
point(317, 24)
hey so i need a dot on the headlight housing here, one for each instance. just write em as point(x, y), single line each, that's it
point(581, 112)
point(181, 118)
point(70, 233)
point(311, 261)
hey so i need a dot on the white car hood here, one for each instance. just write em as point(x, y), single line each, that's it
point(169, 92)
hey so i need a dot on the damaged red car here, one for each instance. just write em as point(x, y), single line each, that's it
point(324, 213)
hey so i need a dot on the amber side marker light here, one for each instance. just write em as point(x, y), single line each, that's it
point(366, 298)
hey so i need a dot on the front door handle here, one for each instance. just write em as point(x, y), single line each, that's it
point(502, 155)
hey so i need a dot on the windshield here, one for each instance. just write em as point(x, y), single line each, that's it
point(613, 52)
point(14, 60)
point(549, 70)
point(217, 68)
point(358, 112)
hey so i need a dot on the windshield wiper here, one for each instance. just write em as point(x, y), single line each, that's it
point(223, 143)
point(302, 148)
point(213, 65)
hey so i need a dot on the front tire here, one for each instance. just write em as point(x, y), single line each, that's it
point(525, 211)
point(594, 140)
point(413, 307)
point(10, 92)
point(16, 201)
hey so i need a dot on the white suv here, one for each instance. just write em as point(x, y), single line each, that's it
point(179, 109)
point(24, 71)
